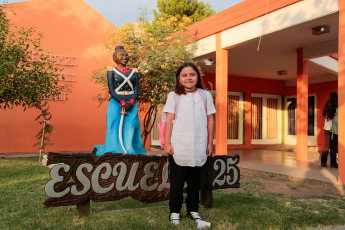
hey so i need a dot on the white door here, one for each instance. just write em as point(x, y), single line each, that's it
point(266, 119)
point(291, 120)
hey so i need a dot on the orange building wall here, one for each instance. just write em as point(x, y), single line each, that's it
point(71, 28)
point(341, 91)
point(250, 85)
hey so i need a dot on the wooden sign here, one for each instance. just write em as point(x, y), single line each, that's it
point(79, 177)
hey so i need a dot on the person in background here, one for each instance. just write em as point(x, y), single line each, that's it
point(334, 131)
point(329, 112)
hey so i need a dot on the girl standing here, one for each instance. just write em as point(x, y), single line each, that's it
point(329, 111)
point(334, 138)
point(188, 139)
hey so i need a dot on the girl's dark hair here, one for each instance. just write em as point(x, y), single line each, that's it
point(179, 89)
point(331, 105)
point(117, 49)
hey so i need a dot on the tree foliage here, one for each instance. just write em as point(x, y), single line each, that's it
point(24, 81)
point(194, 9)
point(156, 50)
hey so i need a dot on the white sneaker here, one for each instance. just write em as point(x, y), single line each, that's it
point(196, 217)
point(174, 218)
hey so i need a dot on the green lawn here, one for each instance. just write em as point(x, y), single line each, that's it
point(22, 195)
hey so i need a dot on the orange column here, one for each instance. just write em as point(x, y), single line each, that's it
point(302, 107)
point(341, 93)
point(221, 97)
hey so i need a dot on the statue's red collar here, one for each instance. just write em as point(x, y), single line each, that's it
point(123, 69)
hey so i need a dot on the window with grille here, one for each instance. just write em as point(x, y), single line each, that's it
point(266, 119)
point(272, 108)
point(233, 116)
point(292, 116)
point(256, 118)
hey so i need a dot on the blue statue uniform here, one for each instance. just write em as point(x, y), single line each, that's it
point(123, 87)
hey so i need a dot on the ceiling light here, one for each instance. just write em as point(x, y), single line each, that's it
point(210, 62)
point(324, 29)
point(282, 72)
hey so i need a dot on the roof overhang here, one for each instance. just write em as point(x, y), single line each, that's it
point(281, 32)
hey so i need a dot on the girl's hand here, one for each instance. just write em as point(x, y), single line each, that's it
point(210, 130)
point(168, 149)
point(209, 149)
point(168, 130)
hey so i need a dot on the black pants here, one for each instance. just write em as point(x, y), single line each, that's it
point(325, 151)
point(334, 150)
point(178, 176)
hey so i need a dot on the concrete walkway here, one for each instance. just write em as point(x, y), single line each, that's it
point(283, 161)
point(275, 159)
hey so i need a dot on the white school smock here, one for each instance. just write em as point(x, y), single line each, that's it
point(189, 134)
point(328, 124)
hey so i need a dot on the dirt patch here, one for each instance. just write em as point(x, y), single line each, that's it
point(263, 182)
